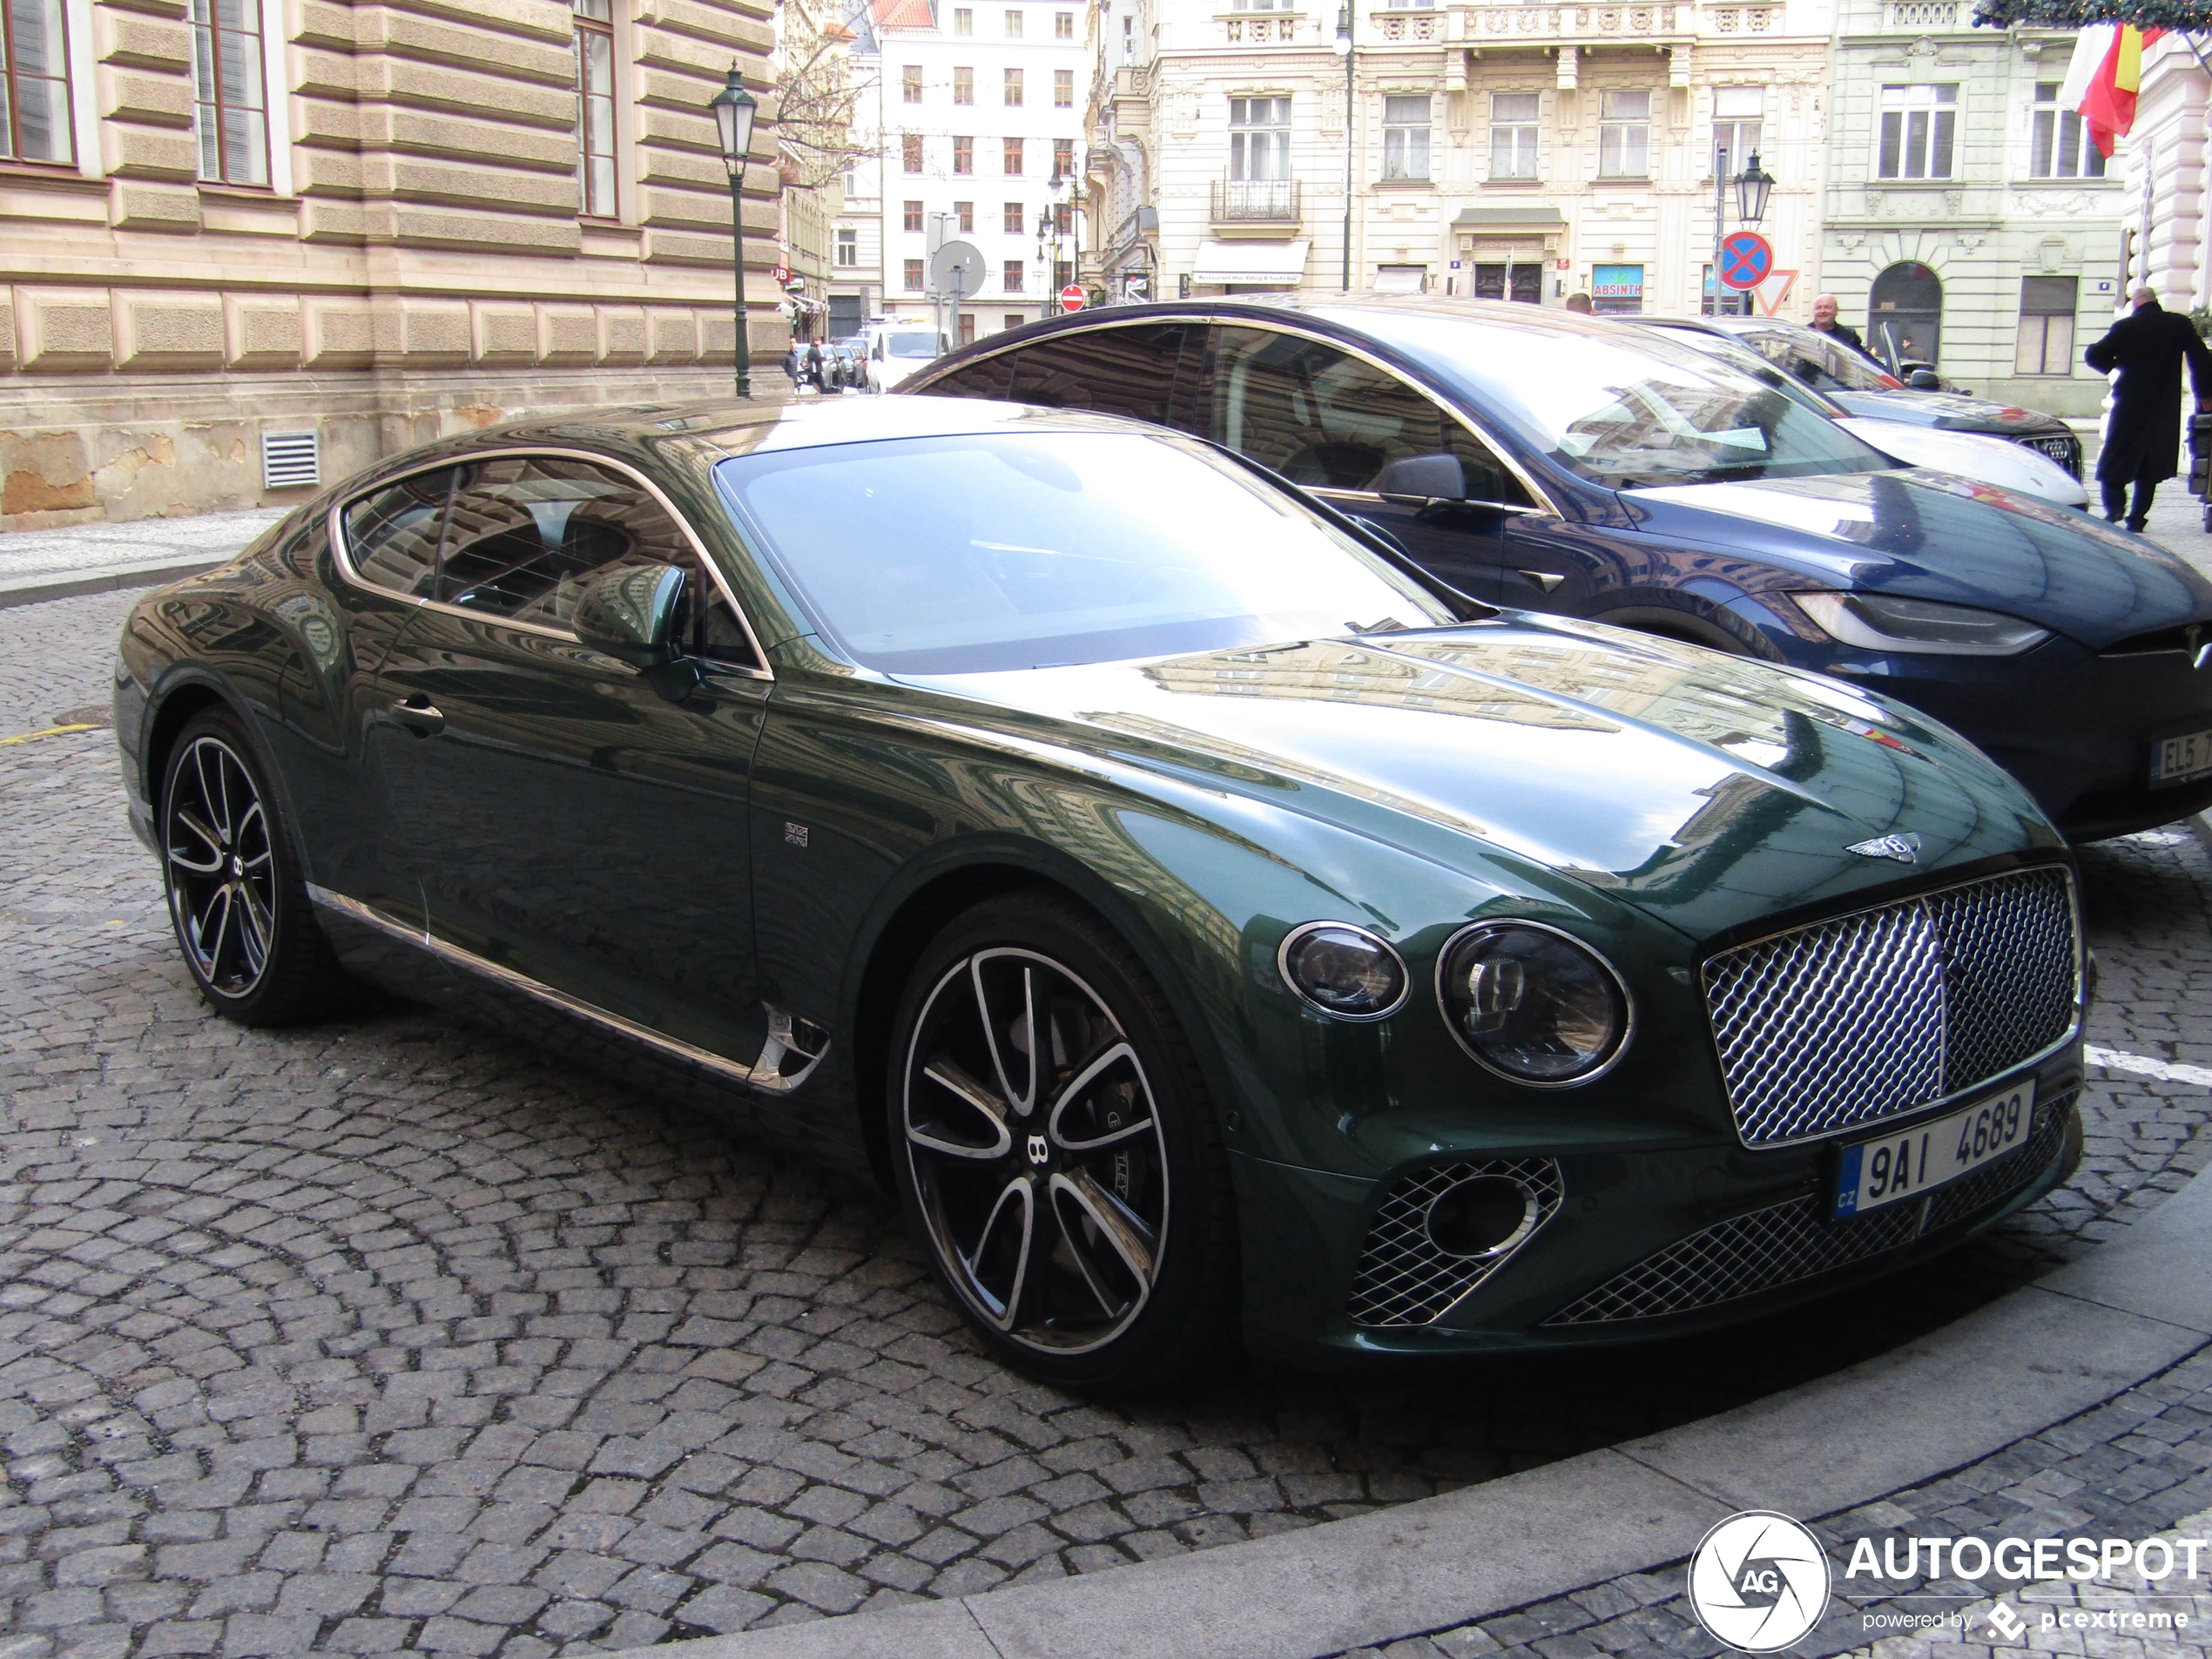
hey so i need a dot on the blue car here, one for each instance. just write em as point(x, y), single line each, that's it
point(1544, 460)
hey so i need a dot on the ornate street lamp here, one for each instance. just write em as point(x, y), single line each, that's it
point(1752, 188)
point(734, 109)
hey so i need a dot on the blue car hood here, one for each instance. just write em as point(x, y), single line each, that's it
point(1936, 537)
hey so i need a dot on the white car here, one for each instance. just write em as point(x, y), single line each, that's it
point(1979, 456)
point(895, 350)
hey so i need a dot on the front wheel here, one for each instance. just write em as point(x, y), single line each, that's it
point(1055, 1151)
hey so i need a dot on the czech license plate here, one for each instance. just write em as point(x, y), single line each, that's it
point(1919, 1160)
point(2176, 760)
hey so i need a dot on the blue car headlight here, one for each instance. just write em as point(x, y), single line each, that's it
point(1886, 622)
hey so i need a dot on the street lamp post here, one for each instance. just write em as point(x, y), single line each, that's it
point(1344, 49)
point(1753, 186)
point(734, 109)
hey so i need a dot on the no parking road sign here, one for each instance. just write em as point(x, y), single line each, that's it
point(1746, 259)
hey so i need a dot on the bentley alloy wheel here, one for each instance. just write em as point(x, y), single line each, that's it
point(222, 872)
point(234, 895)
point(1036, 1108)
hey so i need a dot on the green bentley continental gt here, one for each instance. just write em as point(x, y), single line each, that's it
point(1213, 928)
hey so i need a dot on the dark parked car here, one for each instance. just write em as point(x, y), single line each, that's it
point(1864, 389)
point(1559, 463)
point(1198, 945)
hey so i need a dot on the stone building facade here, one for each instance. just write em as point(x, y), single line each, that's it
point(2162, 166)
point(372, 222)
point(979, 105)
point(1966, 213)
point(1497, 149)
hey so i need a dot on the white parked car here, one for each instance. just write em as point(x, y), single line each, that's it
point(895, 350)
point(1981, 456)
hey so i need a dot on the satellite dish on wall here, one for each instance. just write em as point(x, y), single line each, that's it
point(956, 270)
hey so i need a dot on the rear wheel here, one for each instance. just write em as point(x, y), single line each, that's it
point(1055, 1151)
point(235, 893)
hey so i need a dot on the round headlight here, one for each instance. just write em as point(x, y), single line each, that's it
point(1342, 970)
point(1532, 1003)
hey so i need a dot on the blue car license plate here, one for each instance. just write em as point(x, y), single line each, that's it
point(1917, 1160)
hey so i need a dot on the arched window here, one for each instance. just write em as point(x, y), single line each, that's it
point(1905, 316)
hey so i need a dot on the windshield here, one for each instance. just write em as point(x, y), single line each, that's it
point(997, 550)
point(911, 344)
point(1630, 407)
point(1827, 365)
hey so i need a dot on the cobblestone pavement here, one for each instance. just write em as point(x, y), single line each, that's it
point(386, 1334)
point(2139, 1466)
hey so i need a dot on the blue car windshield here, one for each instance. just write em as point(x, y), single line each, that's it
point(1626, 408)
point(1004, 550)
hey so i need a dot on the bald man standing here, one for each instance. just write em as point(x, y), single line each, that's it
point(1825, 321)
point(2143, 440)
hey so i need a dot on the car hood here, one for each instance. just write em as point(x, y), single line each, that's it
point(1936, 537)
point(1950, 409)
point(1982, 456)
point(1704, 790)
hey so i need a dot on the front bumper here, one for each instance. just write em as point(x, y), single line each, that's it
point(1638, 1247)
point(2074, 725)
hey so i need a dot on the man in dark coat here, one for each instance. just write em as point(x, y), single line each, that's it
point(2143, 438)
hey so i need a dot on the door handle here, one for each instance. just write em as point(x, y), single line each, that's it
point(419, 715)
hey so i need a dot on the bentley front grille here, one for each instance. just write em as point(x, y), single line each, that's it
point(1404, 1277)
point(1784, 1242)
point(1848, 1022)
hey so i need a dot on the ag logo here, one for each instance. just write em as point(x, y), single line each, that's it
point(1758, 1581)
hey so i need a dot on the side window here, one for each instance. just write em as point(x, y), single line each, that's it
point(528, 533)
point(1128, 371)
point(392, 534)
point(1328, 420)
point(985, 378)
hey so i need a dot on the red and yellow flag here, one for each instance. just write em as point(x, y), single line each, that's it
point(2102, 80)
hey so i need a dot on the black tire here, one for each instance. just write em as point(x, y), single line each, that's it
point(1064, 1187)
point(230, 871)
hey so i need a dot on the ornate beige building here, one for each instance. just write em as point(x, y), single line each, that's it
point(1536, 149)
point(369, 223)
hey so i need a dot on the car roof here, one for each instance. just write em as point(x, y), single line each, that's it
point(733, 425)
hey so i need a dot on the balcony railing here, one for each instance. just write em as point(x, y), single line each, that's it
point(1254, 201)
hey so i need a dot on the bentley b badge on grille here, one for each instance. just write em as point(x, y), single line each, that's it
point(1904, 848)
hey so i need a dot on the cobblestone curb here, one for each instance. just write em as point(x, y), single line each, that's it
point(37, 589)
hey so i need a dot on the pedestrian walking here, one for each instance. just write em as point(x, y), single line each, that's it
point(1825, 320)
point(815, 369)
point(2143, 437)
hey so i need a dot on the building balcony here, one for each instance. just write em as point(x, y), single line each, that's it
point(1256, 201)
point(1260, 27)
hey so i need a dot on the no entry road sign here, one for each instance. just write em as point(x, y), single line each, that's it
point(1071, 297)
point(1746, 258)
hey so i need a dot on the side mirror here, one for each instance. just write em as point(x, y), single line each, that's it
point(630, 614)
point(1925, 379)
point(1424, 478)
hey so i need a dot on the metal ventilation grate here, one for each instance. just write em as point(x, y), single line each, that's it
point(290, 460)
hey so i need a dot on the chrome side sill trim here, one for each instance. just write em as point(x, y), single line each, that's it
point(764, 1076)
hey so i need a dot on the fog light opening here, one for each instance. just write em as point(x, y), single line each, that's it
point(1486, 1215)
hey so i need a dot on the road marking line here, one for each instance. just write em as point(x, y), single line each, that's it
point(2165, 1071)
point(50, 731)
